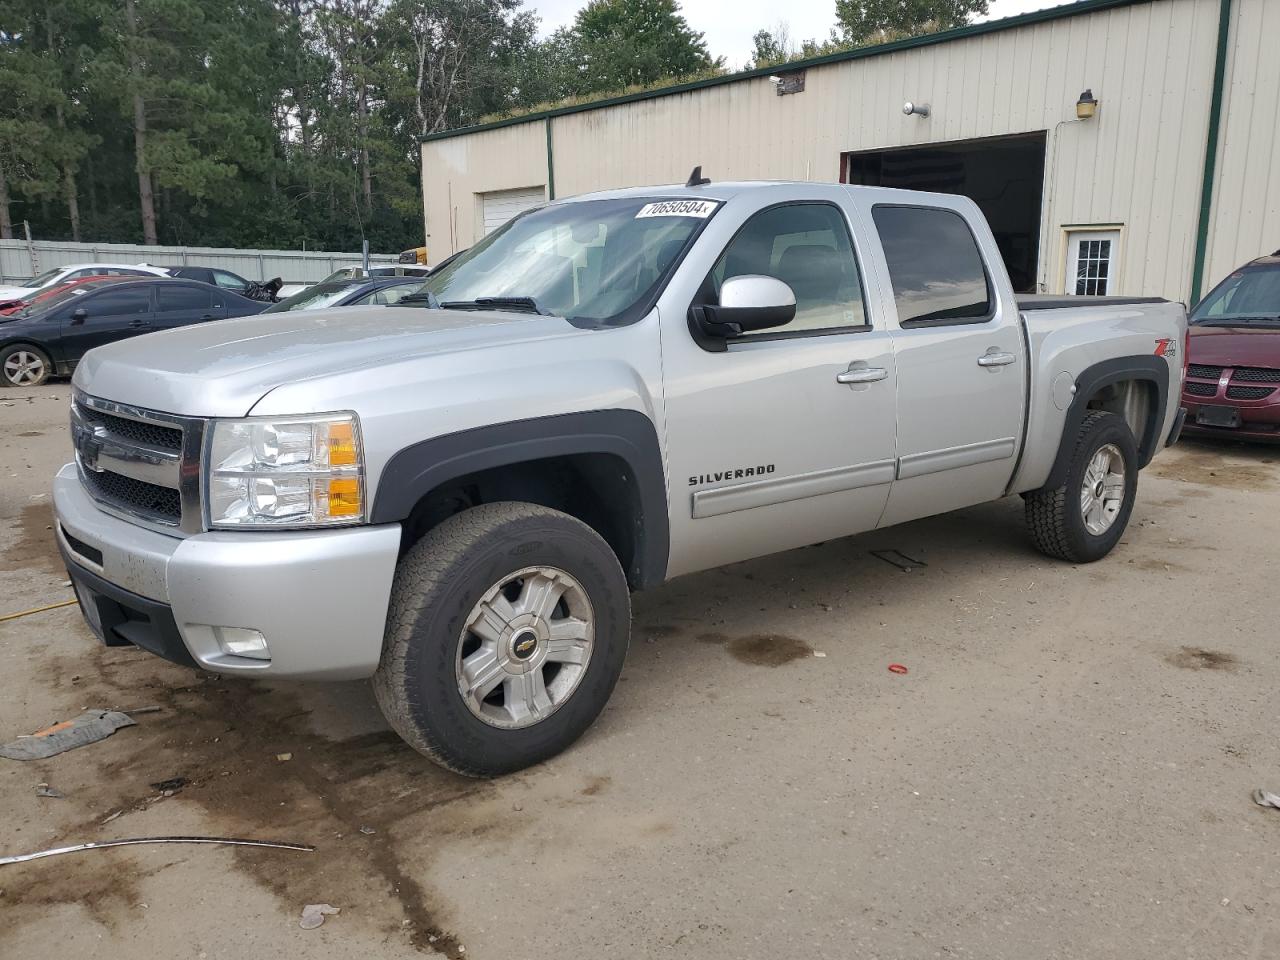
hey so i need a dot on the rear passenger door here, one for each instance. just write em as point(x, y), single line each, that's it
point(961, 390)
point(180, 304)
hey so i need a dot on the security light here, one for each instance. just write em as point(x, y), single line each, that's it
point(1086, 106)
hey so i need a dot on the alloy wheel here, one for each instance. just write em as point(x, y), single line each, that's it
point(525, 647)
point(1102, 490)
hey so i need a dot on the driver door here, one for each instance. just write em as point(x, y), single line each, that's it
point(109, 315)
point(770, 445)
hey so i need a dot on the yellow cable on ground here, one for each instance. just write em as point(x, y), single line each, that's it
point(27, 613)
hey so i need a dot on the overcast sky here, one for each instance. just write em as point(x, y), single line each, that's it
point(730, 24)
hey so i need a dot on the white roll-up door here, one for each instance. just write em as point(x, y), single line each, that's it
point(501, 205)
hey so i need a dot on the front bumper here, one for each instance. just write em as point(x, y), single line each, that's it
point(1259, 419)
point(319, 598)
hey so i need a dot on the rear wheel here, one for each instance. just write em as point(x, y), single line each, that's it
point(1084, 518)
point(22, 365)
point(507, 631)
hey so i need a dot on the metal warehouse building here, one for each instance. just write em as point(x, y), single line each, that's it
point(1171, 182)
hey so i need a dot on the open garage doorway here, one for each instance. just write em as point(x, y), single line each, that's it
point(1004, 176)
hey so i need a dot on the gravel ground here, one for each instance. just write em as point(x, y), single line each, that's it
point(1064, 772)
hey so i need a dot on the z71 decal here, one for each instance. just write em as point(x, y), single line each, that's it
point(740, 473)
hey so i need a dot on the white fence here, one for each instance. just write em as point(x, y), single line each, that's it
point(18, 260)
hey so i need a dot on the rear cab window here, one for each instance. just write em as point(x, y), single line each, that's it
point(937, 271)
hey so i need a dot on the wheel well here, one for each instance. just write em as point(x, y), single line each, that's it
point(1137, 402)
point(596, 488)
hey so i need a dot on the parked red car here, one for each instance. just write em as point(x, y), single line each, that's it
point(1233, 372)
point(38, 297)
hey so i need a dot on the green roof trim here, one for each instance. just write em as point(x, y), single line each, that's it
point(959, 33)
point(1211, 153)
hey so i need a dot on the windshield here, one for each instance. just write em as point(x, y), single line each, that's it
point(313, 298)
point(43, 279)
point(591, 259)
point(1250, 295)
point(57, 298)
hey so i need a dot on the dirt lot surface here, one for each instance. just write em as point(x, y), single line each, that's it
point(1064, 772)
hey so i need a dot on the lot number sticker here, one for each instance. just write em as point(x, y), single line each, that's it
point(678, 208)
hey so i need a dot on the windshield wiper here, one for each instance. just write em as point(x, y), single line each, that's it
point(498, 303)
point(1235, 321)
point(422, 296)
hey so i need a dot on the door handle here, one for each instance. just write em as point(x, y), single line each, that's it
point(996, 359)
point(138, 323)
point(862, 375)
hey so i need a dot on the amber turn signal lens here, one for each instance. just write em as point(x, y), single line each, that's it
point(344, 497)
point(342, 444)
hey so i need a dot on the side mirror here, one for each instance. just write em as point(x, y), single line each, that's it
point(78, 315)
point(747, 303)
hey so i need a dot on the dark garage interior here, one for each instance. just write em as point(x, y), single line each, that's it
point(1003, 175)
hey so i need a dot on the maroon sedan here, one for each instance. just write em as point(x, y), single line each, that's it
point(1233, 372)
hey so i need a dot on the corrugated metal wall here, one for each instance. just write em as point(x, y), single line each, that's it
point(458, 170)
point(1246, 199)
point(295, 266)
point(1137, 164)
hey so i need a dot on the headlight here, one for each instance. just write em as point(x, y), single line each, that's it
point(285, 472)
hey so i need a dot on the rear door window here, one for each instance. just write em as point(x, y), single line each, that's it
point(935, 266)
point(228, 281)
point(181, 296)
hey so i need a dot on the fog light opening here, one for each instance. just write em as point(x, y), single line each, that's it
point(242, 642)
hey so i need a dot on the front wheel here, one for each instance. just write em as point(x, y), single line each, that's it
point(507, 630)
point(1085, 517)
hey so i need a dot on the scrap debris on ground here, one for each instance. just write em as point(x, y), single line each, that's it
point(90, 727)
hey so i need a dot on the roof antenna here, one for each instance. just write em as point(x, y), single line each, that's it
point(696, 179)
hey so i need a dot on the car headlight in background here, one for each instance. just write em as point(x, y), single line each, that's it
point(285, 472)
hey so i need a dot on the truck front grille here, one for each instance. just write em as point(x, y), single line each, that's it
point(150, 434)
point(147, 500)
point(139, 462)
point(1201, 389)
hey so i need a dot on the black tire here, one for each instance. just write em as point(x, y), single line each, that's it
point(438, 583)
point(12, 351)
point(1054, 517)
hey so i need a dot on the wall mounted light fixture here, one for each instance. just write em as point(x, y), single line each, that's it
point(1086, 106)
point(919, 109)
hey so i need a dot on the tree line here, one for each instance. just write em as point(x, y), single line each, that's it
point(295, 123)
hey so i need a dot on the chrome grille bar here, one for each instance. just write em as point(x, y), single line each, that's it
point(130, 458)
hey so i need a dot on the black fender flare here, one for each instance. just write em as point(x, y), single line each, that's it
point(416, 470)
point(1148, 369)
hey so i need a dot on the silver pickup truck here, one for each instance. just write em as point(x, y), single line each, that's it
point(456, 495)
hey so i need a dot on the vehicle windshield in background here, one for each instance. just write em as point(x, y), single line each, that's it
point(359, 273)
point(323, 294)
point(55, 300)
point(44, 278)
point(590, 259)
point(1250, 295)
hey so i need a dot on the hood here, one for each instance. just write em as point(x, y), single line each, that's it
point(15, 293)
point(223, 368)
point(1242, 346)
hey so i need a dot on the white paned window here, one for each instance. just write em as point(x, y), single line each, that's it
point(1092, 262)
